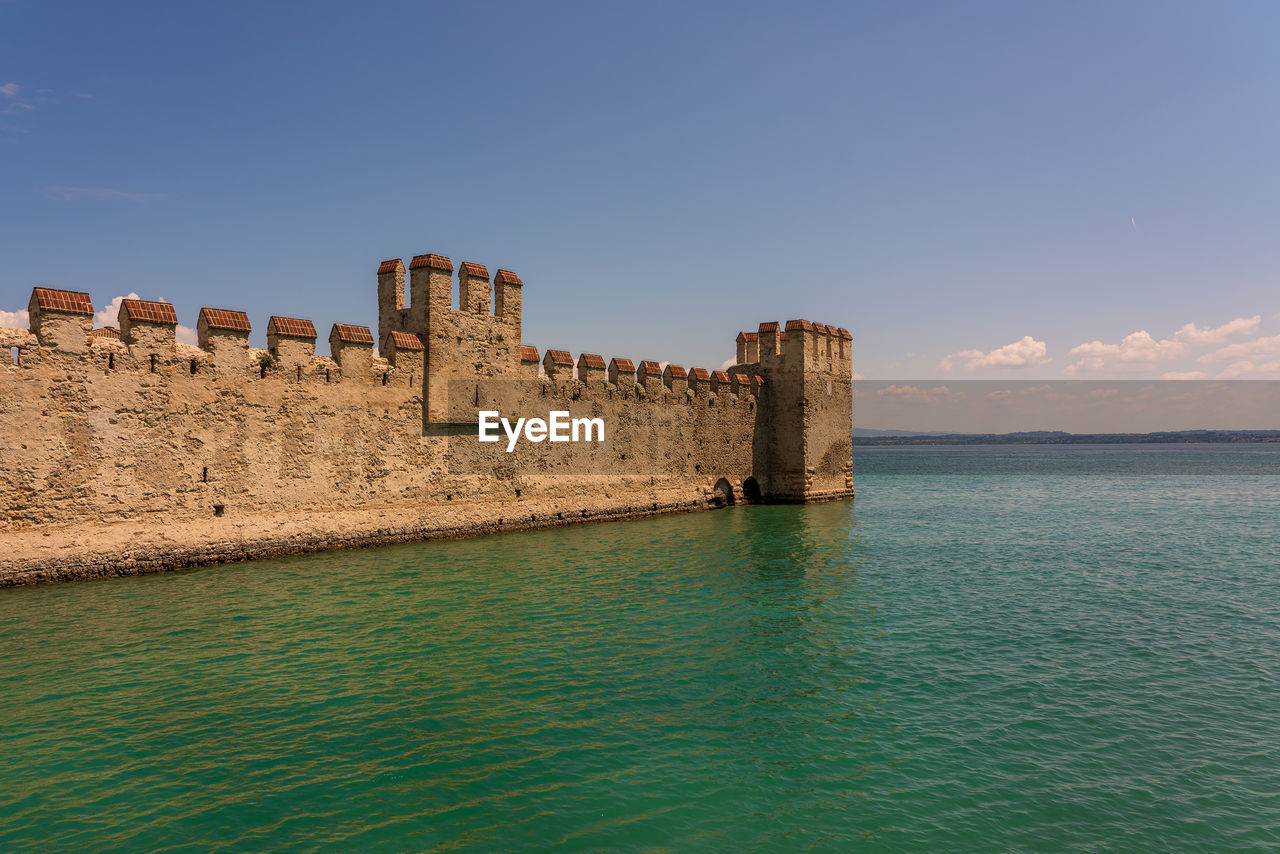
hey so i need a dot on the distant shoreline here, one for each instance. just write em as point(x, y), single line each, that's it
point(1058, 438)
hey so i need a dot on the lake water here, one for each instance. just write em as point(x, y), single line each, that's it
point(1038, 648)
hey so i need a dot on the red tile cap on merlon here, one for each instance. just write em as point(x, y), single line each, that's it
point(225, 318)
point(437, 262)
point(528, 353)
point(63, 302)
point(291, 327)
point(844, 333)
point(748, 336)
point(560, 357)
point(395, 265)
point(349, 333)
point(406, 341)
point(591, 360)
point(650, 368)
point(793, 325)
point(624, 365)
point(677, 372)
point(506, 277)
point(147, 311)
point(720, 376)
point(700, 374)
point(771, 326)
point(472, 269)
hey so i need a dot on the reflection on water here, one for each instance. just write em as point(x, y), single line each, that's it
point(656, 680)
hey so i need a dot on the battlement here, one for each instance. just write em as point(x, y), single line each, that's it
point(800, 345)
point(448, 344)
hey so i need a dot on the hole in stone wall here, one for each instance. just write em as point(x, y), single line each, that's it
point(384, 377)
point(299, 373)
point(219, 509)
point(204, 475)
point(153, 363)
point(13, 355)
point(262, 371)
point(194, 367)
point(751, 489)
point(111, 361)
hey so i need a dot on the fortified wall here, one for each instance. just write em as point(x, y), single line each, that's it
point(125, 451)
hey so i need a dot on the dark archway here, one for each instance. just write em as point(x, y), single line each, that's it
point(751, 489)
point(723, 493)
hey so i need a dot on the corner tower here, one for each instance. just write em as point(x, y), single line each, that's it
point(804, 421)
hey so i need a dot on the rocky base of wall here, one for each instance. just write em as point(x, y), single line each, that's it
point(134, 548)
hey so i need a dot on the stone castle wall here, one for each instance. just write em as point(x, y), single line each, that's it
point(138, 453)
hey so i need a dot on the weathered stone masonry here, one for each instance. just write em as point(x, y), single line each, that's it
point(124, 451)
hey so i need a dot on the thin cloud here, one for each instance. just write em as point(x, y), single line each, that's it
point(10, 92)
point(71, 194)
point(1026, 352)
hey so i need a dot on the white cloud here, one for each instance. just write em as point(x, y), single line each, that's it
point(1193, 335)
point(187, 335)
point(1246, 368)
point(15, 319)
point(858, 376)
point(1182, 375)
point(1137, 352)
point(98, 194)
point(109, 315)
point(9, 92)
point(1026, 352)
point(1264, 348)
point(728, 363)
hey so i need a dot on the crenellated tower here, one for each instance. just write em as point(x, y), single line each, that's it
point(804, 424)
point(469, 351)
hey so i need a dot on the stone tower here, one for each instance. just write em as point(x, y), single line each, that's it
point(470, 351)
point(803, 432)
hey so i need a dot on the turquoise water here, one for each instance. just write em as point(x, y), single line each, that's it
point(1028, 649)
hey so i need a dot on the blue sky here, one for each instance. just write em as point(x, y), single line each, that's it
point(1013, 190)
